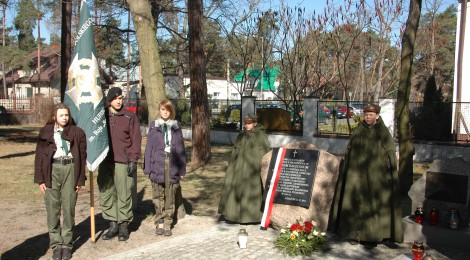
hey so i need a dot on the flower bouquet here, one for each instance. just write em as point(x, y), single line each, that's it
point(300, 239)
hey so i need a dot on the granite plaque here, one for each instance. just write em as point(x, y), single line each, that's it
point(446, 187)
point(297, 174)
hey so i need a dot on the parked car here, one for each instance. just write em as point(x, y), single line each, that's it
point(267, 106)
point(325, 109)
point(324, 117)
point(336, 112)
point(358, 109)
point(132, 106)
point(345, 112)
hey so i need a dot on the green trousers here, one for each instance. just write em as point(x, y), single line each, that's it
point(163, 198)
point(115, 192)
point(61, 198)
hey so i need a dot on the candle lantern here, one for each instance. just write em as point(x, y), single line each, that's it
point(242, 238)
point(419, 215)
point(453, 219)
point(433, 216)
point(418, 250)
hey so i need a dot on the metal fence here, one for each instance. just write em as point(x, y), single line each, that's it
point(461, 122)
point(439, 121)
point(429, 121)
point(26, 110)
point(336, 118)
point(19, 104)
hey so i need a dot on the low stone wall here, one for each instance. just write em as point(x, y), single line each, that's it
point(424, 152)
point(18, 119)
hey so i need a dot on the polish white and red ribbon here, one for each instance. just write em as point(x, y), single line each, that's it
point(266, 220)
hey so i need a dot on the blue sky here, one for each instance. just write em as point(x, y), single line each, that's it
point(310, 6)
point(319, 5)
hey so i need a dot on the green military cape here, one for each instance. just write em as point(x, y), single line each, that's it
point(242, 192)
point(367, 201)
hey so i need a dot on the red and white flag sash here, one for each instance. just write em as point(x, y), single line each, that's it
point(266, 220)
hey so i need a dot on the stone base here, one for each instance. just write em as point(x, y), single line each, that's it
point(437, 235)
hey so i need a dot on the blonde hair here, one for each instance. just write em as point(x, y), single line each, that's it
point(168, 106)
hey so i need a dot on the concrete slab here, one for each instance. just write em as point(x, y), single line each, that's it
point(435, 235)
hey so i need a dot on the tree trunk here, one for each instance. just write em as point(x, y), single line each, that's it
point(402, 115)
point(379, 91)
point(180, 71)
point(66, 45)
point(199, 104)
point(362, 87)
point(5, 92)
point(39, 47)
point(152, 74)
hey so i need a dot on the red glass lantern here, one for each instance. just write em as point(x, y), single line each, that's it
point(433, 216)
point(419, 215)
point(418, 250)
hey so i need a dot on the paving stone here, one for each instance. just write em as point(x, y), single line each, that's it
point(219, 241)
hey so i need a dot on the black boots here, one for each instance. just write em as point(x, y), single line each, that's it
point(112, 231)
point(66, 253)
point(57, 253)
point(120, 230)
point(123, 231)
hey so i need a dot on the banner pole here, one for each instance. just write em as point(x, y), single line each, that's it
point(92, 208)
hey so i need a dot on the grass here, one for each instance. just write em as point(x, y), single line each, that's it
point(17, 163)
point(339, 128)
point(201, 187)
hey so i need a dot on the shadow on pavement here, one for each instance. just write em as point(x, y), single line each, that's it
point(32, 248)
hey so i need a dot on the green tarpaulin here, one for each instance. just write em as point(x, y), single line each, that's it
point(267, 83)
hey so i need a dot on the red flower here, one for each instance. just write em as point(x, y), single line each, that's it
point(296, 226)
point(308, 230)
point(308, 224)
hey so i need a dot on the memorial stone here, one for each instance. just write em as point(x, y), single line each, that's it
point(297, 173)
point(319, 182)
point(445, 185)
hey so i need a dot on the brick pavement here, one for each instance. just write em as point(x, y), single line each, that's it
point(219, 241)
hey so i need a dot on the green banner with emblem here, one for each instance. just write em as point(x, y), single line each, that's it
point(84, 95)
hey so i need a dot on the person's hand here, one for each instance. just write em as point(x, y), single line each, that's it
point(77, 189)
point(131, 169)
point(181, 177)
point(42, 188)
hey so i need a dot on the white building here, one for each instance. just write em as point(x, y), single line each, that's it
point(461, 116)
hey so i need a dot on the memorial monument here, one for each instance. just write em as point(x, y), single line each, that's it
point(299, 181)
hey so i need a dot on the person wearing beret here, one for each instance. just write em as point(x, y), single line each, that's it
point(242, 192)
point(116, 172)
point(367, 204)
